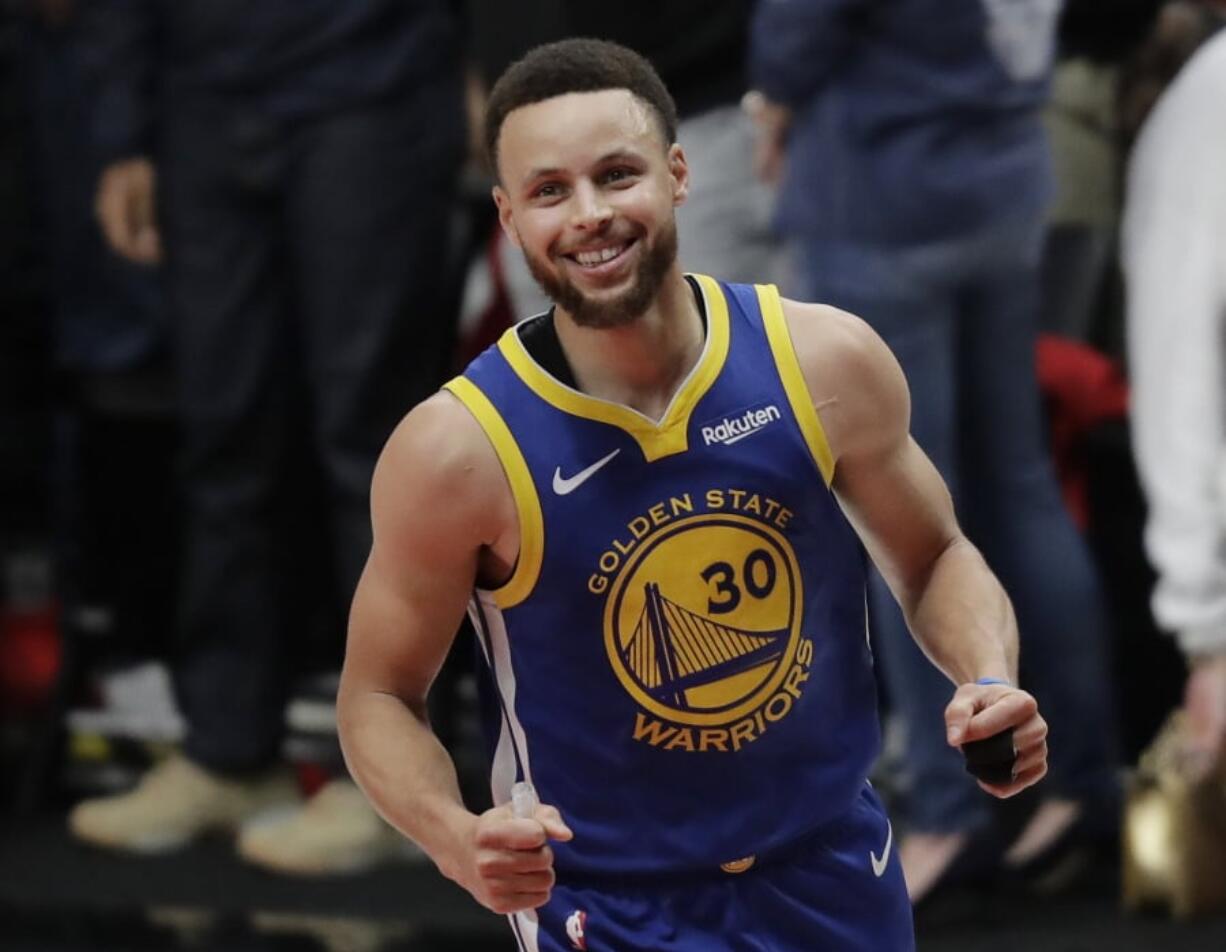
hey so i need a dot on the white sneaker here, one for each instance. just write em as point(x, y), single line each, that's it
point(337, 831)
point(137, 702)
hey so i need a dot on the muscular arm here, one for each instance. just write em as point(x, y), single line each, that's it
point(900, 508)
point(899, 505)
point(441, 509)
point(408, 606)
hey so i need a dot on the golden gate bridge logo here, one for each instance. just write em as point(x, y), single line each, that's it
point(673, 649)
point(702, 622)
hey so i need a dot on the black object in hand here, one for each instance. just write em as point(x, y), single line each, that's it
point(991, 758)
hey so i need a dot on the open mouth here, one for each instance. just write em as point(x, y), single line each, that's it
point(603, 258)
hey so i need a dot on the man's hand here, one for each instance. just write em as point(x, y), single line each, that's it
point(126, 209)
point(978, 711)
point(507, 864)
point(1204, 703)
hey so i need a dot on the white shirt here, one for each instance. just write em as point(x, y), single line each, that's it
point(1174, 257)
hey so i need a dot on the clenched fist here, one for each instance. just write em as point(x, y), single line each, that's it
point(980, 711)
point(505, 862)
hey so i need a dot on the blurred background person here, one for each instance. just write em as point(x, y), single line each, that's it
point(700, 50)
point(1085, 131)
point(107, 519)
point(291, 166)
point(915, 177)
point(1174, 258)
point(26, 397)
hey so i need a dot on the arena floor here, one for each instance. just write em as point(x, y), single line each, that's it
point(58, 897)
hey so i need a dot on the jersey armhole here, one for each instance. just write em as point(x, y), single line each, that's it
point(527, 503)
point(793, 379)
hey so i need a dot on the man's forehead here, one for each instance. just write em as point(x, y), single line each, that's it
point(576, 123)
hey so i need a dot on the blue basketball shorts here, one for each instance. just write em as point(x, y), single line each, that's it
point(840, 889)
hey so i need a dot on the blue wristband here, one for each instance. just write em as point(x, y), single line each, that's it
point(994, 681)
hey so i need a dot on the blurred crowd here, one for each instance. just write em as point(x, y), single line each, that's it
point(241, 240)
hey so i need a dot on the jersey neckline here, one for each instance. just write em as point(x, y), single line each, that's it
point(656, 438)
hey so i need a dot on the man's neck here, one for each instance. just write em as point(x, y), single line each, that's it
point(642, 364)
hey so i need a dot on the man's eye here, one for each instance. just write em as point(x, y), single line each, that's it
point(549, 190)
point(617, 175)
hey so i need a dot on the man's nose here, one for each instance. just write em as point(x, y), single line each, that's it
point(591, 211)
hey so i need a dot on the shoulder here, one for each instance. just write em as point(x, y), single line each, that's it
point(855, 382)
point(438, 466)
point(439, 438)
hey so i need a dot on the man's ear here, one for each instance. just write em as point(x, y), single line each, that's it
point(505, 218)
point(679, 171)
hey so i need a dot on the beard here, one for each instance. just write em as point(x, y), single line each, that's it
point(657, 258)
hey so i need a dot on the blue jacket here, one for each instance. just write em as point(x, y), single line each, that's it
point(915, 120)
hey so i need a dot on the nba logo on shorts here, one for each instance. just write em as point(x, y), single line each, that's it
point(576, 922)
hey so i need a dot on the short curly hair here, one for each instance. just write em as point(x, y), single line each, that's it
point(578, 65)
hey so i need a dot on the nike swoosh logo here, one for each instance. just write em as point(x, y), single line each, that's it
point(565, 485)
point(879, 865)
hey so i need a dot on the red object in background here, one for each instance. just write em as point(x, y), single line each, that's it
point(1082, 389)
point(311, 777)
point(31, 653)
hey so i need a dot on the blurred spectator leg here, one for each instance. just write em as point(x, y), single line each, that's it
point(107, 479)
point(371, 195)
point(1015, 512)
point(1076, 259)
point(234, 349)
point(371, 198)
point(960, 317)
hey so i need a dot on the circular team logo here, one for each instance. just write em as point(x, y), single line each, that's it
point(702, 622)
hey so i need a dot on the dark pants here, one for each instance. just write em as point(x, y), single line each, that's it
point(960, 317)
point(306, 269)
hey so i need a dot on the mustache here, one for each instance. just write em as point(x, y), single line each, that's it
point(605, 238)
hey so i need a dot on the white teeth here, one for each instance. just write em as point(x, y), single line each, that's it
point(587, 258)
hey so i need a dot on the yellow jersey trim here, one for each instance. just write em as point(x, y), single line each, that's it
point(793, 379)
point(527, 503)
point(669, 435)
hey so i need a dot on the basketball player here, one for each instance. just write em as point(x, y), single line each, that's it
point(656, 501)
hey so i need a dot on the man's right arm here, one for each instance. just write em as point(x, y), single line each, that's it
point(439, 500)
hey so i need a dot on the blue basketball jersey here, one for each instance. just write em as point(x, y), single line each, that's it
point(680, 654)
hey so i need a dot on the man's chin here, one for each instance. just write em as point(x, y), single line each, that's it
point(603, 294)
point(602, 315)
point(600, 307)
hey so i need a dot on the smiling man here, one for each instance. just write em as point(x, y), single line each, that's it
point(655, 502)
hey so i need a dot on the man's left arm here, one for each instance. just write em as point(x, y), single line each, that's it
point(899, 505)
